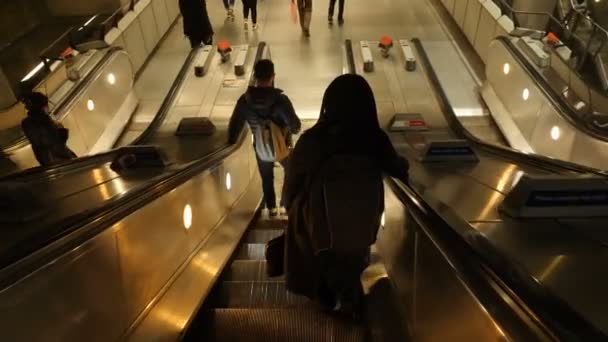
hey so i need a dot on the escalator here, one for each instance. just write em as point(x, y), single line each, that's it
point(247, 305)
point(190, 242)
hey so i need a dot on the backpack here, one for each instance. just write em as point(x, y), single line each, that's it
point(270, 140)
point(345, 205)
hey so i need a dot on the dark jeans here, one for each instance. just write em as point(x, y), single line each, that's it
point(250, 5)
point(267, 174)
point(332, 4)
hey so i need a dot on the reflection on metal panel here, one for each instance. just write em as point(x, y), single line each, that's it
point(102, 289)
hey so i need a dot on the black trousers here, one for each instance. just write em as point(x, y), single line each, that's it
point(267, 174)
point(332, 4)
point(250, 5)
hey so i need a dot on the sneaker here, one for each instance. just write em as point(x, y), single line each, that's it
point(274, 212)
point(282, 211)
point(245, 26)
point(306, 33)
point(330, 20)
point(340, 21)
point(254, 27)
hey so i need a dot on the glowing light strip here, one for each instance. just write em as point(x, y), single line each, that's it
point(33, 72)
point(87, 23)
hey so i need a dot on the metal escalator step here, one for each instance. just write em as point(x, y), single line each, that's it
point(262, 235)
point(248, 270)
point(284, 325)
point(251, 251)
point(249, 294)
point(274, 223)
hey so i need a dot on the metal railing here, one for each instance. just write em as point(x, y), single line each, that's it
point(586, 39)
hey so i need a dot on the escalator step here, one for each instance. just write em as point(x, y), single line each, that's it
point(251, 251)
point(262, 235)
point(270, 224)
point(249, 294)
point(266, 325)
point(247, 270)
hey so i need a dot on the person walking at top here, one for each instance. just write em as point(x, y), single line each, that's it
point(332, 5)
point(250, 6)
point(229, 6)
point(197, 26)
point(263, 107)
point(47, 137)
point(305, 13)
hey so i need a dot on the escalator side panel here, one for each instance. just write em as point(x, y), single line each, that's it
point(432, 289)
point(121, 272)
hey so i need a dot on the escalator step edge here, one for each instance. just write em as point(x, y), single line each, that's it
point(269, 325)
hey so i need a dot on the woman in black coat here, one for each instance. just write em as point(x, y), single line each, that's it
point(196, 22)
point(348, 124)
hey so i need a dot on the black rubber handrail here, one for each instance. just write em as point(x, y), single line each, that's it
point(74, 93)
point(85, 225)
point(350, 56)
point(535, 160)
point(563, 108)
point(160, 116)
point(551, 311)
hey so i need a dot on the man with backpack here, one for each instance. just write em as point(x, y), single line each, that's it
point(272, 120)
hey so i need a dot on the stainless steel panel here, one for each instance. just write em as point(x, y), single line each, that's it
point(460, 11)
point(396, 245)
point(486, 31)
point(77, 297)
point(563, 256)
point(471, 20)
point(160, 15)
point(134, 40)
point(170, 316)
point(510, 88)
point(148, 25)
point(443, 300)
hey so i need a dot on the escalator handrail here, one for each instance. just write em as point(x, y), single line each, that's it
point(521, 286)
point(473, 256)
point(564, 109)
point(350, 57)
point(160, 116)
point(15, 267)
point(536, 160)
point(74, 93)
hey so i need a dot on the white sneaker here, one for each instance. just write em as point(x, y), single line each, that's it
point(274, 212)
point(254, 27)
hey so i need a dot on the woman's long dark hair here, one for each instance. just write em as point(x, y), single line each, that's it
point(349, 102)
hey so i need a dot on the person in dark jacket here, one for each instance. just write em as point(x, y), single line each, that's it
point(348, 124)
point(47, 137)
point(258, 103)
point(197, 26)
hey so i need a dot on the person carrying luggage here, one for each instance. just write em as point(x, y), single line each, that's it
point(334, 196)
point(272, 120)
point(47, 137)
